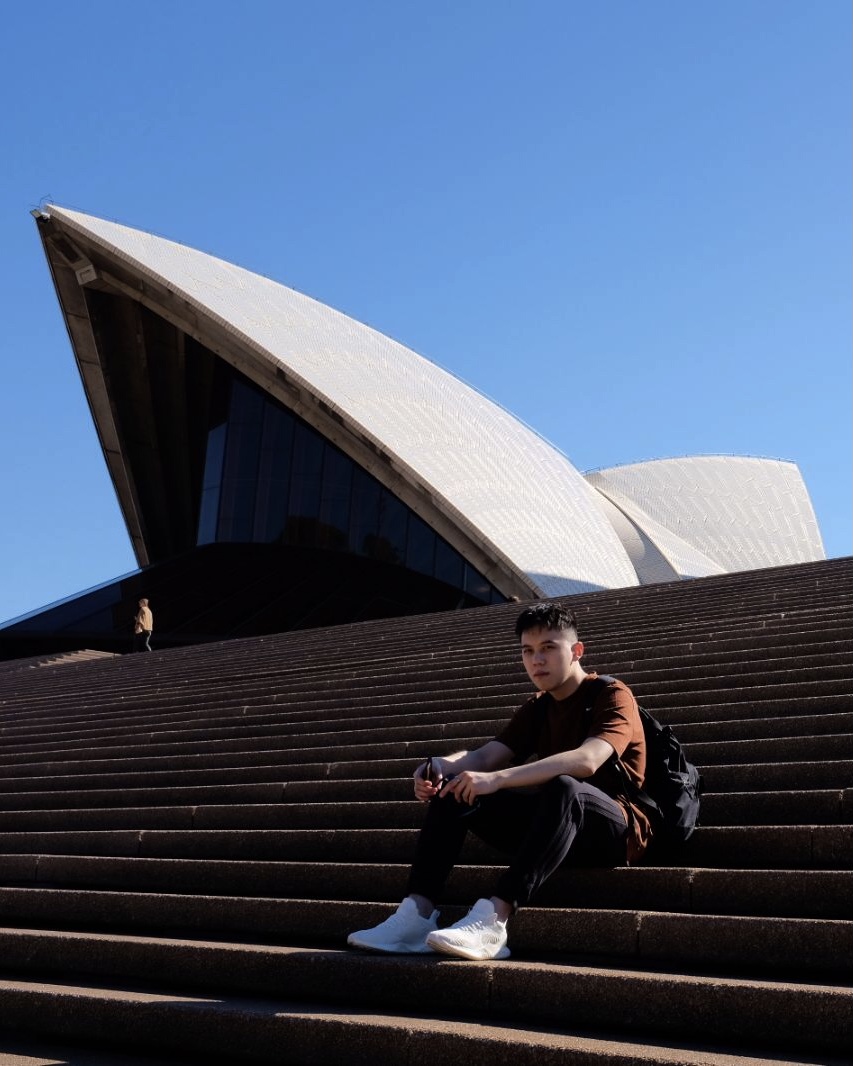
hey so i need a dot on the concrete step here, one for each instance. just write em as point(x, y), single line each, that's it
point(218, 686)
point(385, 778)
point(413, 746)
point(224, 815)
point(313, 1034)
point(21, 1049)
point(771, 749)
point(733, 653)
point(797, 893)
point(677, 1004)
point(761, 945)
point(817, 807)
point(738, 661)
point(108, 798)
point(767, 847)
point(737, 777)
point(273, 721)
point(422, 671)
point(343, 713)
point(766, 728)
point(456, 722)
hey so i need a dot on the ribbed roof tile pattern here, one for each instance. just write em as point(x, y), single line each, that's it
point(490, 471)
point(736, 512)
point(484, 471)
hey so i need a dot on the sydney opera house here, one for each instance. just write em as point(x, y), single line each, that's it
point(281, 465)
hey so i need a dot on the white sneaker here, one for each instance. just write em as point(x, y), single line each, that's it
point(404, 933)
point(479, 935)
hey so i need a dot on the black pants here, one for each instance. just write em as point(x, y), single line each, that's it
point(565, 819)
point(142, 641)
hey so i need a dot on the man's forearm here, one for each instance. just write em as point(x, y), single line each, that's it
point(489, 757)
point(459, 761)
point(579, 763)
point(454, 759)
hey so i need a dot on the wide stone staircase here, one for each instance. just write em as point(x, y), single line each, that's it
point(186, 838)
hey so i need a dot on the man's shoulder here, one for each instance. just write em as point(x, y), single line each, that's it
point(607, 689)
point(605, 682)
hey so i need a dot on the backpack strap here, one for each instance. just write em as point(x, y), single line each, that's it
point(632, 792)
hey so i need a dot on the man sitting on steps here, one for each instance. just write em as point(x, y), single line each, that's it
point(539, 792)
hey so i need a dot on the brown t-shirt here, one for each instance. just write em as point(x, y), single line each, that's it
point(563, 726)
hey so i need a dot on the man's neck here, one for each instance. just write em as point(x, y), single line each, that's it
point(570, 685)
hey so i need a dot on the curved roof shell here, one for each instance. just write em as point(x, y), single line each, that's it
point(714, 513)
point(512, 504)
point(506, 499)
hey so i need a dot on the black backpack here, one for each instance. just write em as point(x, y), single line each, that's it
point(673, 785)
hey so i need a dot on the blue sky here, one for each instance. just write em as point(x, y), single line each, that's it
point(627, 223)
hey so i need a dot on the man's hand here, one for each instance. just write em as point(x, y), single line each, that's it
point(431, 777)
point(470, 784)
point(428, 785)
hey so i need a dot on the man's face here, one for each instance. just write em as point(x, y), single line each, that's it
point(549, 657)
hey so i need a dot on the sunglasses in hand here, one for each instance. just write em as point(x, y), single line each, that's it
point(440, 781)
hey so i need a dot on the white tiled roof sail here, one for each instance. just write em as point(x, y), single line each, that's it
point(523, 496)
point(656, 553)
point(495, 478)
point(729, 512)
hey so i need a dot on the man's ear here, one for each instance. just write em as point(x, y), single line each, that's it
point(577, 649)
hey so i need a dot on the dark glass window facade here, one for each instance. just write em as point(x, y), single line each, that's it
point(270, 478)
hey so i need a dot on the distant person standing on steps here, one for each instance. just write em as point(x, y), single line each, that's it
point(539, 792)
point(143, 627)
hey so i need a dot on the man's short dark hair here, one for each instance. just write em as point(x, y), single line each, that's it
point(545, 616)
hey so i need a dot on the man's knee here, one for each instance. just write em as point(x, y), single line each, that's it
point(564, 794)
point(564, 786)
